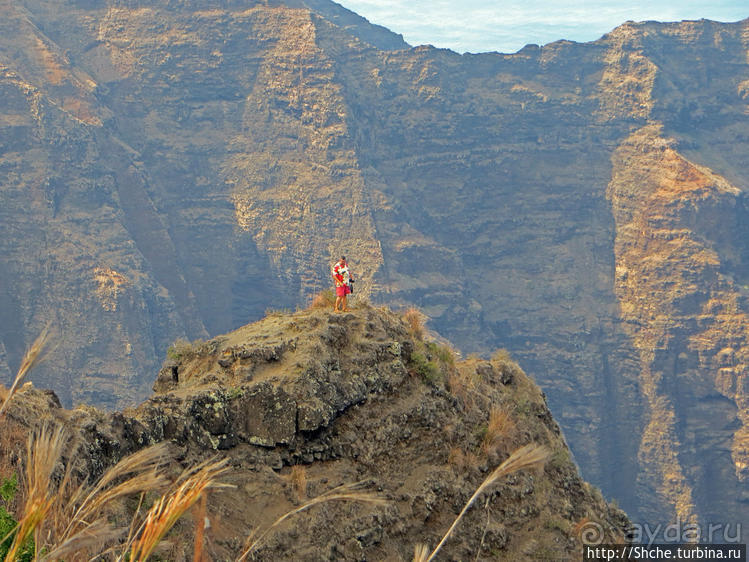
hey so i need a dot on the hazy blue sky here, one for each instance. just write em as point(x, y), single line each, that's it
point(507, 25)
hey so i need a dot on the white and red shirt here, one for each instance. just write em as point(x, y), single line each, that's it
point(341, 273)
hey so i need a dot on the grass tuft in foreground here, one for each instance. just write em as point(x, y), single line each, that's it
point(169, 508)
point(530, 456)
point(346, 492)
point(38, 351)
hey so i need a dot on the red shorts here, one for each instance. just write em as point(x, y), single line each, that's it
point(342, 291)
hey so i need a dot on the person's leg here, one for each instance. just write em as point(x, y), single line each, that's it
point(337, 305)
point(344, 303)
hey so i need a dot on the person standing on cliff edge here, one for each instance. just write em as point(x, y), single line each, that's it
point(342, 278)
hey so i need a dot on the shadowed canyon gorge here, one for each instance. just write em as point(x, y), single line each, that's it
point(174, 169)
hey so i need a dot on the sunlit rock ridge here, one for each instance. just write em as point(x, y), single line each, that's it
point(299, 404)
point(172, 170)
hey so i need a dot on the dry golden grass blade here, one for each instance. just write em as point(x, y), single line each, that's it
point(529, 456)
point(131, 532)
point(148, 481)
point(59, 516)
point(79, 510)
point(346, 492)
point(35, 355)
point(486, 528)
point(146, 459)
point(421, 551)
point(91, 538)
point(200, 516)
point(43, 451)
point(72, 518)
point(167, 511)
point(144, 463)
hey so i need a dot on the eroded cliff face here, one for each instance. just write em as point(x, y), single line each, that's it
point(173, 171)
point(687, 316)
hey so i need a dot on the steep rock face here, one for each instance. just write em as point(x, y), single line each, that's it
point(339, 399)
point(173, 171)
point(686, 313)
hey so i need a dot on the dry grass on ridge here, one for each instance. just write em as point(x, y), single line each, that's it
point(500, 428)
point(414, 319)
point(298, 479)
point(323, 299)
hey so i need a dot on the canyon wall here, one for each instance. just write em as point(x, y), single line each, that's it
point(173, 170)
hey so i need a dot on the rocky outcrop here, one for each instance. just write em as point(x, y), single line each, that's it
point(285, 375)
point(343, 398)
point(171, 172)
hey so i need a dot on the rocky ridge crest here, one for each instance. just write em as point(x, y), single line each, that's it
point(347, 398)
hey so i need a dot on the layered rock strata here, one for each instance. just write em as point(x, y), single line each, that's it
point(173, 171)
